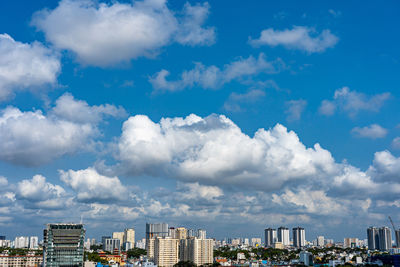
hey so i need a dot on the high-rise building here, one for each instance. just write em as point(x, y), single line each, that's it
point(21, 242)
point(397, 235)
point(270, 237)
point(198, 251)
point(181, 233)
point(283, 236)
point(306, 258)
point(299, 237)
point(154, 230)
point(385, 238)
point(120, 236)
point(255, 241)
point(129, 238)
point(373, 238)
point(111, 244)
point(166, 251)
point(201, 234)
point(63, 245)
point(192, 233)
point(33, 242)
point(320, 241)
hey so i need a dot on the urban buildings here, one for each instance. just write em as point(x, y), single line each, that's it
point(111, 244)
point(154, 230)
point(379, 238)
point(299, 237)
point(120, 236)
point(349, 242)
point(320, 241)
point(129, 238)
point(270, 237)
point(63, 245)
point(397, 235)
point(29, 260)
point(197, 250)
point(283, 236)
point(201, 234)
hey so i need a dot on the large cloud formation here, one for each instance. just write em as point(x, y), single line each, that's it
point(103, 34)
point(32, 138)
point(26, 66)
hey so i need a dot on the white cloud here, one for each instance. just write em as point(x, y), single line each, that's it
point(352, 102)
point(234, 101)
point(294, 109)
point(385, 167)
point(214, 150)
point(79, 111)
point(103, 34)
point(3, 181)
point(40, 194)
point(94, 187)
point(196, 191)
point(212, 77)
point(396, 143)
point(299, 38)
point(372, 131)
point(26, 66)
point(32, 138)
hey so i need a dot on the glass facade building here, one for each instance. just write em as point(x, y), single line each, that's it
point(63, 245)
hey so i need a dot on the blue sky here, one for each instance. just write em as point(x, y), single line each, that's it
point(294, 115)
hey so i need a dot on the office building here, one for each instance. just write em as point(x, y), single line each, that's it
point(320, 241)
point(201, 234)
point(299, 237)
point(154, 230)
point(166, 251)
point(33, 242)
point(198, 251)
point(63, 245)
point(270, 237)
point(373, 238)
point(283, 236)
point(111, 244)
point(385, 238)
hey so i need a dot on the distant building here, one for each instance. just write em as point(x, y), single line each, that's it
point(270, 237)
point(166, 251)
point(373, 238)
point(181, 233)
point(63, 245)
point(255, 242)
point(283, 236)
point(110, 244)
point(320, 241)
point(192, 233)
point(397, 235)
point(120, 236)
point(201, 234)
point(33, 242)
point(299, 237)
point(21, 242)
point(306, 258)
point(129, 238)
point(379, 238)
point(21, 260)
point(141, 243)
point(350, 242)
point(198, 251)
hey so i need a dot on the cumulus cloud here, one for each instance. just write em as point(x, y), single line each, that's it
point(235, 100)
point(214, 150)
point(91, 186)
point(372, 131)
point(385, 167)
point(396, 143)
point(25, 66)
point(69, 108)
point(32, 138)
point(103, 34)
point(294, 109)
point(352, 102)
point(297, 38)
point(196, 191)
point(212, 77)
point(39, 193)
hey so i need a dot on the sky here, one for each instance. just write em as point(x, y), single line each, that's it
point(230, 116)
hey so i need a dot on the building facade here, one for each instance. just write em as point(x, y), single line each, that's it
point(197, 250)
point(111, 244)
point(283, 236)
point(166, 251)
point(154, 230)
point(270, 237)
point(63, 245)
point(299, 237)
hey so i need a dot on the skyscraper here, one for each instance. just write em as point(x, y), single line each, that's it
point(201, 234)
point(385, 238)
point(270, 237)
point(166, 251)
point(198, 251)
point(120, 236)
point(373, 238)
point(299, 237)
point(33, 242)
point(397, 235)
point(63, 245)
point(283, 236)
point(129, 238)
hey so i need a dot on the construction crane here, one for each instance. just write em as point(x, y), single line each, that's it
point(391, 221)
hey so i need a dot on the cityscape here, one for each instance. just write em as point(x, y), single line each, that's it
point(65, 244)
point(193, 133)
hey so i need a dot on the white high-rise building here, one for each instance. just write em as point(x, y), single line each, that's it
point(21, 242)
point(120, 236)
point(166, 251)
point(385, 238)
point(33, 242)
point(320, 241)
point(198, 251)
point(283, 236)
point(129, 238)
point(299, 237)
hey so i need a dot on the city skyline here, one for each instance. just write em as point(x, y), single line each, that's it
point(221, 115)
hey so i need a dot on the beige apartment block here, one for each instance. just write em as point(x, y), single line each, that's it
point(166, 251)
point(198, 251)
